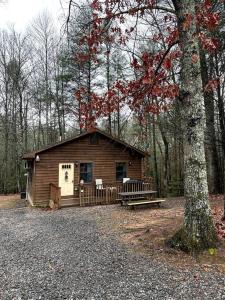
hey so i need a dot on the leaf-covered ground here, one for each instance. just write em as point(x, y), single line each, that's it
point(11, 201)
point(145, 230)
point(218, 215)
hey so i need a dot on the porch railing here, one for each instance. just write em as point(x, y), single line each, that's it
point(109, 193)
point(55, 196)
point(100, 194)
point(91, 194)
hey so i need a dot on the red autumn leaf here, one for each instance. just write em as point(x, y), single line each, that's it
point(195, 58)
point(167, 64)
point(147, 80)
point(207, 4)
point(95, 5)
point(187, 21)
point(211, 85)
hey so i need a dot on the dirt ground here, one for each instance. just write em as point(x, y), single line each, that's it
point(11, 201)
point(145, 230)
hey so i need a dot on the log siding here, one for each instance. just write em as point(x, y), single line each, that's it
point(103, 155)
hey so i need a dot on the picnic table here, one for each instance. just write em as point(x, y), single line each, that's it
point(139, 198)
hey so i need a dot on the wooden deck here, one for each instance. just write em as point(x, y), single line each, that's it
point(89, 195)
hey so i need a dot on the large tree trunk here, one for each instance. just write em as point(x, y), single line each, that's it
point(210, 139)
point(198, 232)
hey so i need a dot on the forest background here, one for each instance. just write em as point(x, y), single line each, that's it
point(51, 87)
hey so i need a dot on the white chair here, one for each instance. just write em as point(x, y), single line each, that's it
point(99, 184)
point(125, 179)
point(99, 188)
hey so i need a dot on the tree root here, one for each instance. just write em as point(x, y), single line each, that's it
point(183, 241)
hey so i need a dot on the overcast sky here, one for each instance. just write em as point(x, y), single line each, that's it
point(21, 12)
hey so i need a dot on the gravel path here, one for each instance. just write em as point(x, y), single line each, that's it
point(63, 255)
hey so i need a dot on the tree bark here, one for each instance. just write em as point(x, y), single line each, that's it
point(166, 160)
point(211, 149)
point(198, 232)
point(221, 110)
point(155, 157)
point(108, 86)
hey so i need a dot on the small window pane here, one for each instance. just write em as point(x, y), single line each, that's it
point(94, 139)
point(121, 171)
point(89, 177)
point(86, 172)
point(82, 168)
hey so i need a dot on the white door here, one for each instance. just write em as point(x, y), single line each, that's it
point(66, 178)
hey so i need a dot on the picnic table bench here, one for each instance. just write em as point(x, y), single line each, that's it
point(139, 198)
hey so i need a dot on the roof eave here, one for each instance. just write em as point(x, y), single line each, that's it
point(31, 156)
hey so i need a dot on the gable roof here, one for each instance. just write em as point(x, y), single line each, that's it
point(32, 155)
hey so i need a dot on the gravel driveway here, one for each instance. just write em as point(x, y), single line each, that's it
point(63, 255)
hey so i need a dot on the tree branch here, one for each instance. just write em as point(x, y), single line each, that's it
point(68, 18)
point(176, 5)
point(164, 56)
point(143, 8)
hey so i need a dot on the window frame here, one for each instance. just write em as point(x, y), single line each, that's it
point(94, 139)
point(92, 171)
point(126, 166)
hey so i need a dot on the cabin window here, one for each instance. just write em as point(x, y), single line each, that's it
point(94, 139)
point(86, 170)
point(28, 165)
point(121, 171)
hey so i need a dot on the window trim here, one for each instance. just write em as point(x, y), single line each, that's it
point(87, 162)
point(126, 164)
point(97, 139)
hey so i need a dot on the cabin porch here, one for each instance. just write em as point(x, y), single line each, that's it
point(90, 194)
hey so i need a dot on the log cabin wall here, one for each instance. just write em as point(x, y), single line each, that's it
point(103, 155)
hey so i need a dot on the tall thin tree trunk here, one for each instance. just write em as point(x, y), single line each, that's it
point(211, 150)
point(108, 87)
point(221, 110)
point(166, 161)
point(90, 114)
point(155, 156)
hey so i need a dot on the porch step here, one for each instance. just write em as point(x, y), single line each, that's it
point(66, 202)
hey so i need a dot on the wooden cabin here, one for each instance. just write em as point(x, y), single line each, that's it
point(87, 169)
